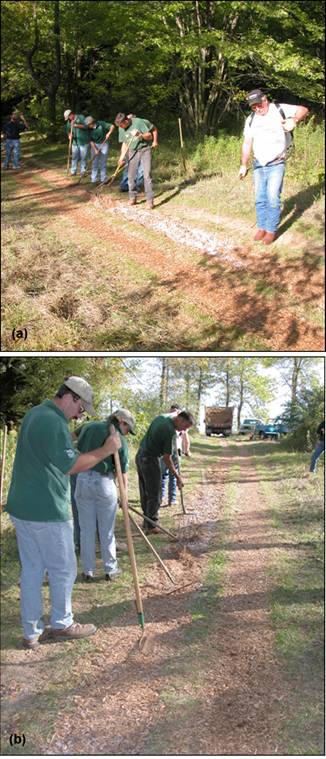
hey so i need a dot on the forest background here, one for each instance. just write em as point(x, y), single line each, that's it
point(192, 59)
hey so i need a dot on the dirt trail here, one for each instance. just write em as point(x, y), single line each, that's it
point(238, 705)
point(240, 271)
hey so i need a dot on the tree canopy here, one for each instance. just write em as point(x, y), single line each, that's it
point(194, 58)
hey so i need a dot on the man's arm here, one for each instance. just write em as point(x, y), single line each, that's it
point(245, 155)
point(167, 458)
point(291, 121)
point(89, 460)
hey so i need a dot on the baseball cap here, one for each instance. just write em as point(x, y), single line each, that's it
point(125, 416)
point(80, 387)
point(255, 96)
point(89, 120)
point(66, 114)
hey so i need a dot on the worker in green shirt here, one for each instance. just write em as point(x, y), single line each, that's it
point(139, 138)
point(78, 133)
point(157, 443)
point(39, 507)
point(96, 494)
point(100, 133)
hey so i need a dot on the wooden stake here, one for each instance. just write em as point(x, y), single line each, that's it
point(182, 146)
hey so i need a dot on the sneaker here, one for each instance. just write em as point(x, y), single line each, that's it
point(87, 578)
point(74, 631)
point(113, 575)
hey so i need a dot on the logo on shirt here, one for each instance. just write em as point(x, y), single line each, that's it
point(70, 453)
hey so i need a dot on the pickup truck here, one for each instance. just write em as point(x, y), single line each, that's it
point(249, 425)
point(269, 431)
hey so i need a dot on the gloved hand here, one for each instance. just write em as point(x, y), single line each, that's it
point(242, 171)
point(289, 124)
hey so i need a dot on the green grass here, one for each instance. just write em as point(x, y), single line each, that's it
point(296, 511)
point(130, 306)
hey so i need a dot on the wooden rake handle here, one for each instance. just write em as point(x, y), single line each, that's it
point(139, 604)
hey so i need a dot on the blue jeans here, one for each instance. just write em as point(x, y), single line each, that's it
point(96, 498)
point(78, 153)
point(45, 545)
point(99, 162)
point(169, 478)
point(268, 181)
point(73, 480)
point(12, 145)
point(124, 187)
point(320, 447)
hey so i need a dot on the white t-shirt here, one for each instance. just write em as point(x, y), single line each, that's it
point(267, 133)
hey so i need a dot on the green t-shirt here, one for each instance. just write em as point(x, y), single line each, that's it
point(97, 134)
point(79, 136)
point(159, 437)
point(92, 435)
point(142, 125)
point(39, 489)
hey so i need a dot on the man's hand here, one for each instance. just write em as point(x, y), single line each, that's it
point(242, 171)
point(112, 442)
point(288, 124)
point(180, 482)
point(121, 162)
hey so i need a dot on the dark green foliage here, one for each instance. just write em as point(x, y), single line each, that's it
point(160, 59)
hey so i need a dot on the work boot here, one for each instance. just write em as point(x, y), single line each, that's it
point(32, 643)
point(269, 238)
point(152, 530)
point(75, 631)
point(260, 233)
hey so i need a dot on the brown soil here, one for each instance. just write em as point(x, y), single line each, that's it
point(241, 272)
point(241, 697)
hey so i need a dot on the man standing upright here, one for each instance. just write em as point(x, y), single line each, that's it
point(157, 443)
point(39, 507)
point(267, 132)
point(11, 131)
point(139, 138)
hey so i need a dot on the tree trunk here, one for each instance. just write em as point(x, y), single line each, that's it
point(164, 382)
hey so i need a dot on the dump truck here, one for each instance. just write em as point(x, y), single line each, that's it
point(218, 421)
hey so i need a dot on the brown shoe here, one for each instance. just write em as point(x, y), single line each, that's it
point(32, 643)
point(260, 233)
point(74, 631)
point(132, 201)
point(269, 238)
point(152, 531)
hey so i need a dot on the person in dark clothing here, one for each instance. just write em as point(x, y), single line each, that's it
point(157, 443)
point(11, 131)
point(320, 447)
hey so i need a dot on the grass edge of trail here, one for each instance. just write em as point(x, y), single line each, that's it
point(296, 512)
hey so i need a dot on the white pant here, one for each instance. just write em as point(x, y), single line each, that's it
point(96, 498)
point(45, 545)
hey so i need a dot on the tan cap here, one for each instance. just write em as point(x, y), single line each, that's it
point(125, 416)
point(80, 387)
point(66, 114)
